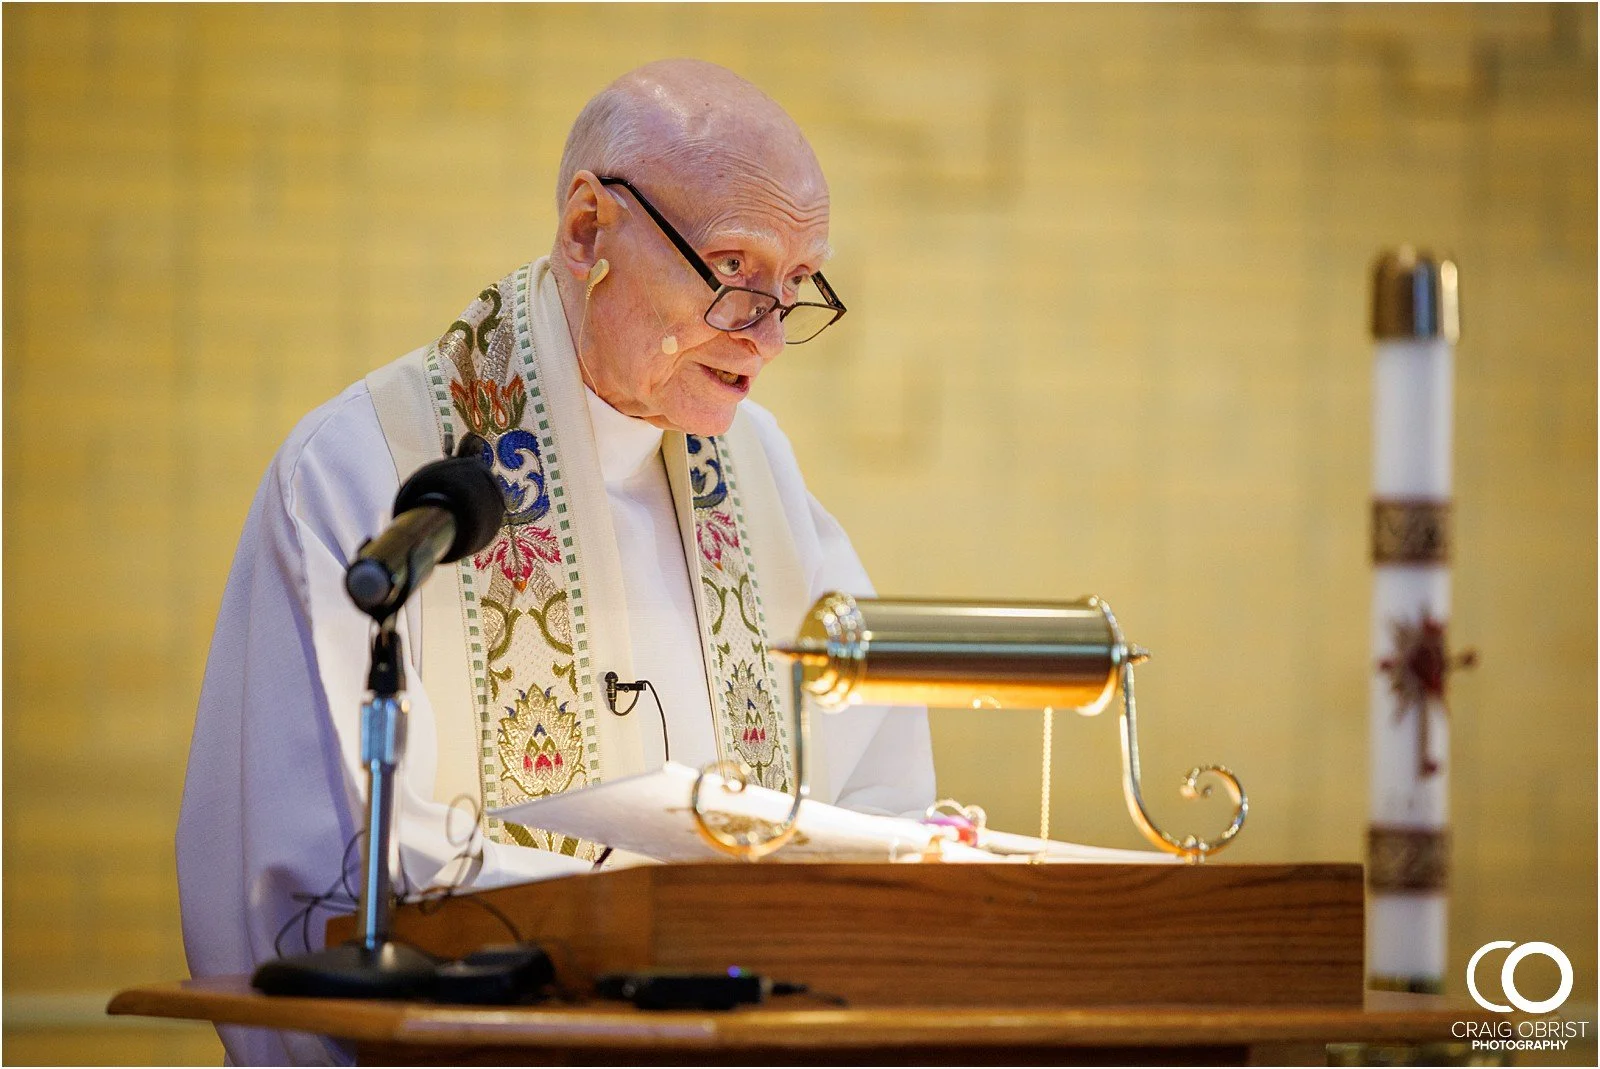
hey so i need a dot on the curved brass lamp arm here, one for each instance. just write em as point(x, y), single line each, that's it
point(1191, 848)
point(753, 844)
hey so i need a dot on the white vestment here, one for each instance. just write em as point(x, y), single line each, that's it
point(274, 788)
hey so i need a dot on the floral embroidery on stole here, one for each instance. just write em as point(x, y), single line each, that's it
point(523, 597)
point(733, 625)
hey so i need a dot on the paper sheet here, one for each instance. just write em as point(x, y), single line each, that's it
point(649, 815)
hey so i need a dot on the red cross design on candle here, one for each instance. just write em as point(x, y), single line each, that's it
point(1418, 670)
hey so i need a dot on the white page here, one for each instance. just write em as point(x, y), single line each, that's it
point(649, 814)
point(1007, 846)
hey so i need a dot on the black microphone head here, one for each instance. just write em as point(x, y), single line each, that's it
point(464, 487)
point(473, 444)
point(370, 585)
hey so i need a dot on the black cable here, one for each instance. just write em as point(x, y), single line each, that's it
point(666, 751)
point(429, 899)
point(613, 686)
point(780, 987)
point(312, 902)
point(432, 899)
point(344, 863)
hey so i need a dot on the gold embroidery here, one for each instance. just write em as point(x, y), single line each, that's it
point(523, 596)
point(541, 748)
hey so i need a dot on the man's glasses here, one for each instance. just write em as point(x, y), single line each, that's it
point(738, 308)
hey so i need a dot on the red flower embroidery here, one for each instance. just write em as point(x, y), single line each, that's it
point(488, 398)
point(515, 549)
point(489, 408)
point(716, 533)
point(462, 399)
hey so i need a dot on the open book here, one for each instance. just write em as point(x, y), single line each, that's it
point(649, 815)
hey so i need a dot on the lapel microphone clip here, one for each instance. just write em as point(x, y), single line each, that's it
point(613, 686)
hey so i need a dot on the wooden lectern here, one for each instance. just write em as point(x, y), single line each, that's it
point(968, 964)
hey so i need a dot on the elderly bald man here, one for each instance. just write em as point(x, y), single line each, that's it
point(657, 527)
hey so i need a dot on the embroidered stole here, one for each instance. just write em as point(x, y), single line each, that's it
point(527, 601)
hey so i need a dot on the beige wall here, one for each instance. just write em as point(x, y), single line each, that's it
point(1107, 271)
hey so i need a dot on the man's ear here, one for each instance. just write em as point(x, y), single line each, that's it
point(589, 212)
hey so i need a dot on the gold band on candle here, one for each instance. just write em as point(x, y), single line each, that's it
point(1410, 531)
point(1407, 859)
point(1410, 985)
point(1415, 295)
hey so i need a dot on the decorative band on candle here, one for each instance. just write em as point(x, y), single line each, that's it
point(1415, 295)
point(1407, 859)
point(1410, 531)
point(1410, 985)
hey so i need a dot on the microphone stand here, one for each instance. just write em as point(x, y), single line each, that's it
point(465, 510)
point(372, 965)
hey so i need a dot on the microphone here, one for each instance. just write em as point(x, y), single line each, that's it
point(446, 510)
point(614, 685)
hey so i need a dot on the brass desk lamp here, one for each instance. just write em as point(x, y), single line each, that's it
point(955, 654)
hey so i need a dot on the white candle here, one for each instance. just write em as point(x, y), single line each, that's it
point(1415, 326)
